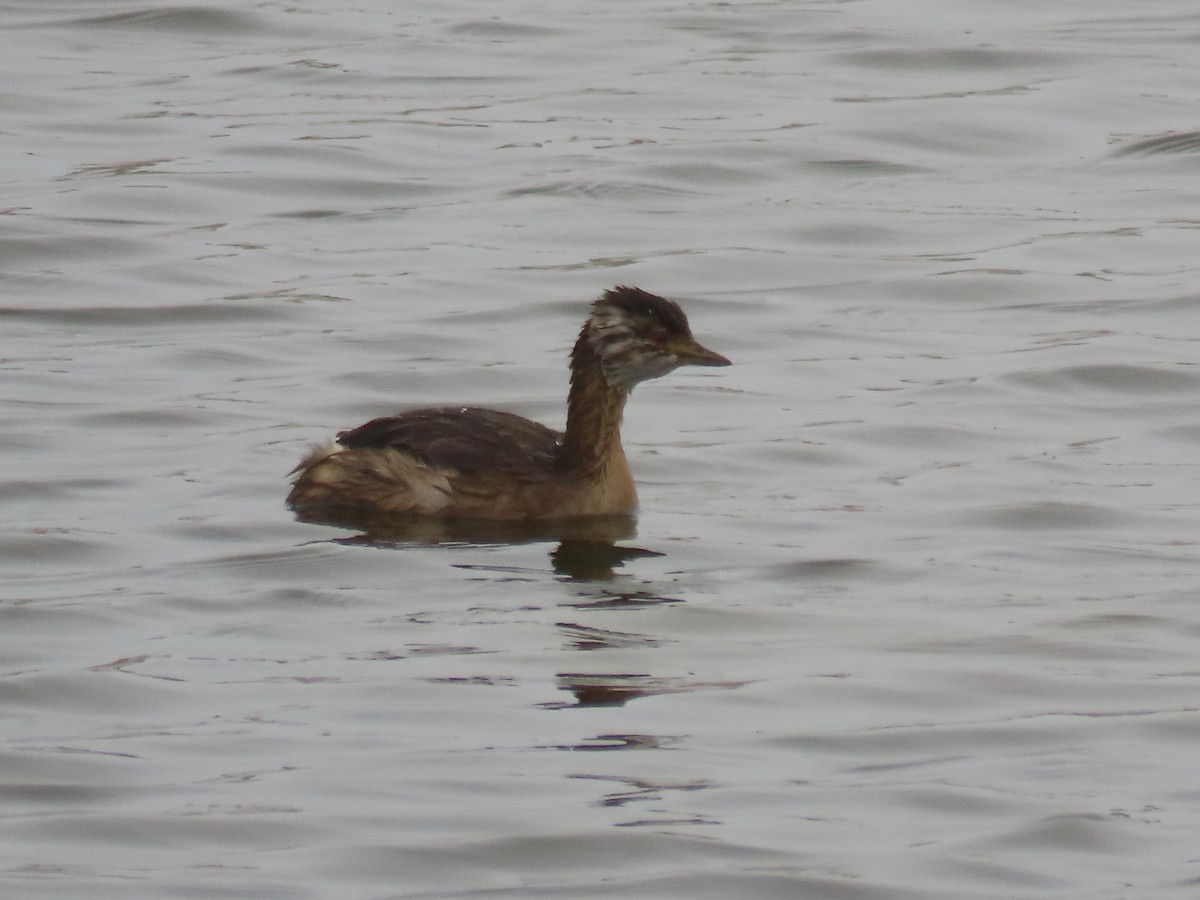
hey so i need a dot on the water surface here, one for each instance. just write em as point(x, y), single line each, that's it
point(910, 610)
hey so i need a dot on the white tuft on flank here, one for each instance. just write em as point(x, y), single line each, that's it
point(316, 454)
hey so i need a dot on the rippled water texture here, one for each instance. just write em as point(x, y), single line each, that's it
point(911, 610)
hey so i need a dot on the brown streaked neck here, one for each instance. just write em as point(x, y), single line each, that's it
point(594, 409)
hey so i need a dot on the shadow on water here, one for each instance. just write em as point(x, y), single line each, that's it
point(591, 689)
point(585, 554)
point(586, 549)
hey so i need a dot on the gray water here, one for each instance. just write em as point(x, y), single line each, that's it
point(911, 610)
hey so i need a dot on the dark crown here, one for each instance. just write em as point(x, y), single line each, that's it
point(635, 304)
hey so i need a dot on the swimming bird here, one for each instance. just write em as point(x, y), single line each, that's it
point(472, 463)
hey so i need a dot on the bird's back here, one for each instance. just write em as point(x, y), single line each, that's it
point(453, 461)
point(467, 441)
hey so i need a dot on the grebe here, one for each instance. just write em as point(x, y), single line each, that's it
point(485, 464)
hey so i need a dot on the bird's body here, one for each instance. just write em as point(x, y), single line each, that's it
point(471, 463)
point(465, 463)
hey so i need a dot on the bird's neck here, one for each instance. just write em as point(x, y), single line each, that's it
point(592, 439)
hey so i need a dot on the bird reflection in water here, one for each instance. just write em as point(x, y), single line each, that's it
point(586, 550)
point(585, 553)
